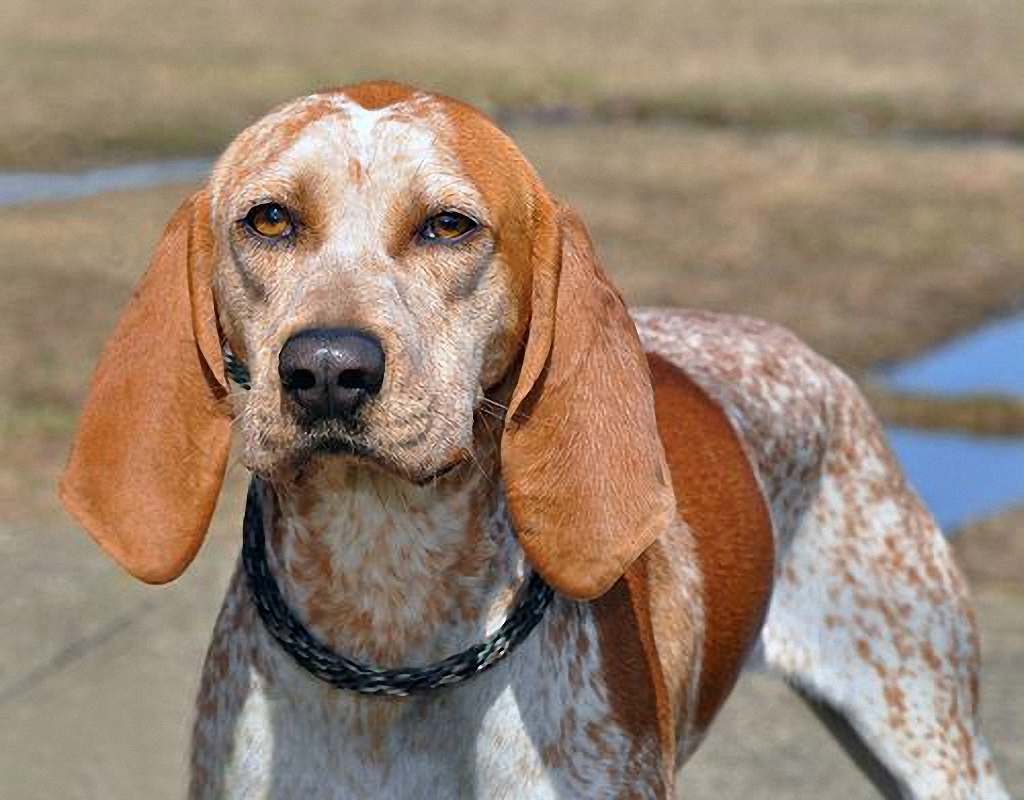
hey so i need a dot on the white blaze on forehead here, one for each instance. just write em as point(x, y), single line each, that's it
point(366, 163)
point(406, 130)
point(399, 147)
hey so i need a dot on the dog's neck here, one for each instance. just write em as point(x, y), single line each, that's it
point(391, 573)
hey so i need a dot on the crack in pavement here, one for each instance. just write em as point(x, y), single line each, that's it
point(76, 650)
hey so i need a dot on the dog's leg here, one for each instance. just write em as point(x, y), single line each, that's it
point(842, 730)
point(871, 622)
point(231, 734)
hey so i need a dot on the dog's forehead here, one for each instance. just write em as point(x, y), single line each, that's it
point(386, 147)
point(392, 133)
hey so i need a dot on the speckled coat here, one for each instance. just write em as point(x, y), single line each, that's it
point(702, 491)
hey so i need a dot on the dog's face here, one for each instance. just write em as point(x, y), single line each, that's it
point(381, 259)
point(359, 232)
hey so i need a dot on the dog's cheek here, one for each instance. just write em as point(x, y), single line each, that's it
point(237, 315)
point(442, 410)
point(497, 321)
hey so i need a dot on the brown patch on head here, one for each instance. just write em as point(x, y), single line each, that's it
point(260, 145)
point(523, 214)
point(374, 95)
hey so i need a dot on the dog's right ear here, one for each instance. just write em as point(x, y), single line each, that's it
point(150, 451)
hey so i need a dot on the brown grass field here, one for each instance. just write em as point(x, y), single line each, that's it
point(115, 79)
point(869, 250)
point(991, 551)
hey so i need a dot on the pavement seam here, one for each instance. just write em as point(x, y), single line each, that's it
point(76, 650)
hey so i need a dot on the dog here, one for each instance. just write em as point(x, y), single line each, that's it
point(505, 538)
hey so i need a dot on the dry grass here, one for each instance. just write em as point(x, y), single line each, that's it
point(983, 415)
point(871, 251)
point(991, 551)
point(860, 247)
point(116, 79)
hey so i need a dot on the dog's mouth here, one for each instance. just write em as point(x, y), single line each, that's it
point(322, 443)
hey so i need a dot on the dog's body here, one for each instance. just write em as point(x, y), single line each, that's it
point(727, 494)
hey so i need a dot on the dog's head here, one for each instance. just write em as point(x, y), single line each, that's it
point(384, 261)
point(373, 272)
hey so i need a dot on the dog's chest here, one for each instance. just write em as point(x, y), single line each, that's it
point(540, 725)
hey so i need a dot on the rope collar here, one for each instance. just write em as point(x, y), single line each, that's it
point(343, 673)
point(236, 370)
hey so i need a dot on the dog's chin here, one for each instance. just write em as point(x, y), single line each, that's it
point(329, 450)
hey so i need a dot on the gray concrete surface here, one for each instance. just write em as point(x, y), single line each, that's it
point(98, 674)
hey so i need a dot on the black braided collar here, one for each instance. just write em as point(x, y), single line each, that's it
point(236, 370)
point(344, 673)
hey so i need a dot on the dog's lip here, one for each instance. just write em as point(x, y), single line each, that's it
point(341, 446)
point(337, 445)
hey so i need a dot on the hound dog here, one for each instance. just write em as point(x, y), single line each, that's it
point(454, 421)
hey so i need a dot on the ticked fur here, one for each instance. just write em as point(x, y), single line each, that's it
point(410, 583)
point(515, 430)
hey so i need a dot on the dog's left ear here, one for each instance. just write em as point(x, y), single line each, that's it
point(587, 482)
point(151, 446)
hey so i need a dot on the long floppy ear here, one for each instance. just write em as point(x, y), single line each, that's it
point(583, 464)
point(151, 448)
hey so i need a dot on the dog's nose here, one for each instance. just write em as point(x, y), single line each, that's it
point(330, 372)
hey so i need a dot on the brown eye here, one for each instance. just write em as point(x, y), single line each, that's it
point(270, 220)
point(447, 227)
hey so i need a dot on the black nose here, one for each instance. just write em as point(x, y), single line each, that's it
point(330, 372)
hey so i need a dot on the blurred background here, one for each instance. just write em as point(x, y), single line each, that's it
point(853, 169)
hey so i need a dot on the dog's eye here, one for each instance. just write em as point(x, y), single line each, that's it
point(270, 220)
point(447, 226)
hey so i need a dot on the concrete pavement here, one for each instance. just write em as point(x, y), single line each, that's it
point(98, 674)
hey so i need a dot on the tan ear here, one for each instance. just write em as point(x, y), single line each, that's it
point(150, 451)
point(583, 464)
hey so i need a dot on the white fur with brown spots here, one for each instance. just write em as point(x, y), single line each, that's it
point(870, 617)
point(392, 562)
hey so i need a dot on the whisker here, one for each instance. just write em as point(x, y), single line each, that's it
point(520, 416)
point(376, 491)
point(494, 403)
point(491, 414)
point(494, 436)
point(403, 501)
point(483, 472)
